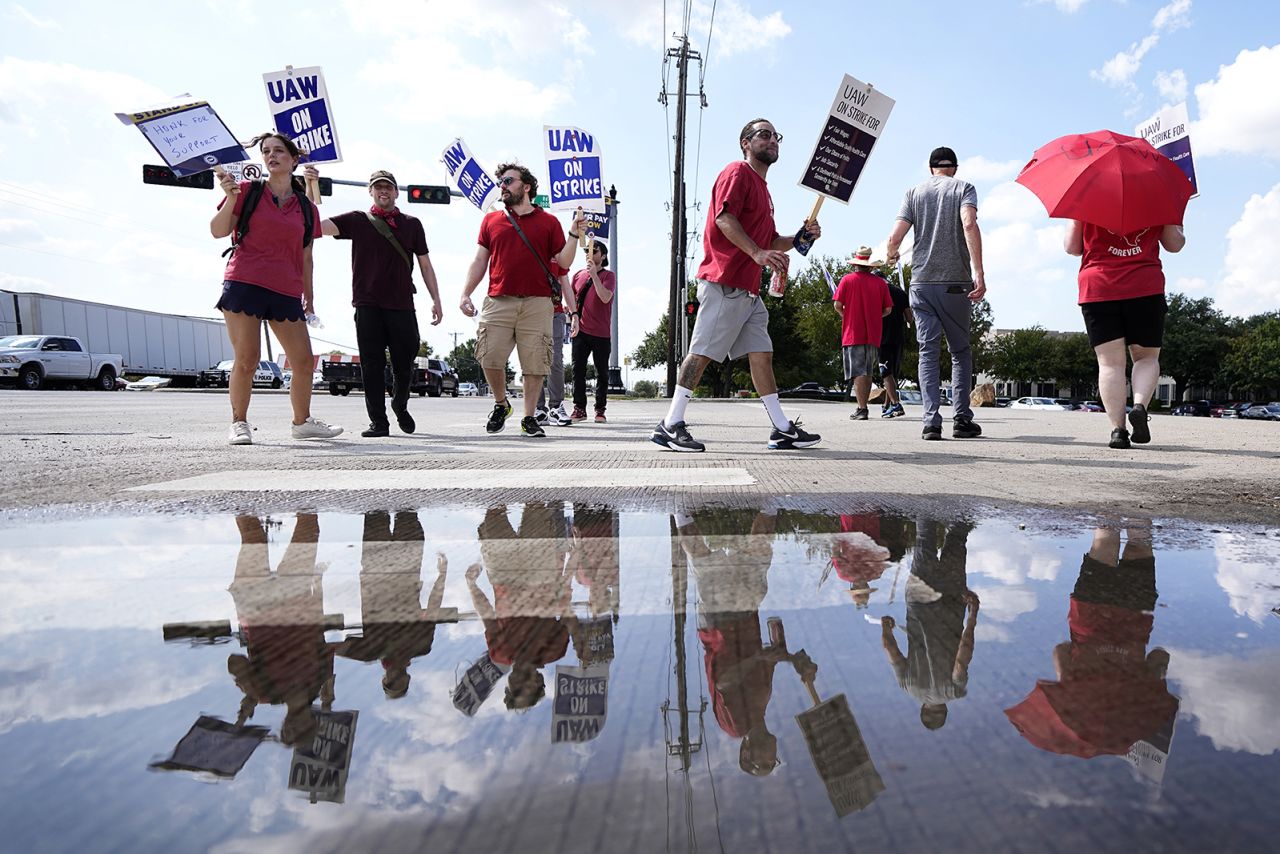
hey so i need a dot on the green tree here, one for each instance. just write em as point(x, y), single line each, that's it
point(1252, 363)
point(1075, 365)
point(1195, 342)
point(644, 388)
point(652, 352)
point(1023, 355)
point(424, 350)
point(463, 360)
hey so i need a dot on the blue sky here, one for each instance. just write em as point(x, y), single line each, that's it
point(992, 80)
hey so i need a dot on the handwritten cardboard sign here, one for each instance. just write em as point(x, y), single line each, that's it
point(188, 135)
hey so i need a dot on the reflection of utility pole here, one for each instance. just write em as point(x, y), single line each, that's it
point(684, 747)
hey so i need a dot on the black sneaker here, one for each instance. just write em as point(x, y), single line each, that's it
point(406, 422)
point(376, 430)
point(676, 438)
point(529, 426)
point(792, 438)
point(1138, 419)
point(498, 418)
point(932, 434)
point(860, 415)
point(1120, 438)
point(964, 428)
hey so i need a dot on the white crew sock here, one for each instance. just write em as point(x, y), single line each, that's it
point(679, 401)
point(774, 408)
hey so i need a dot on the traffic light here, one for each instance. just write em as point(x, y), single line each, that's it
point(691, 309)
point(164, 175)
point(425, 194)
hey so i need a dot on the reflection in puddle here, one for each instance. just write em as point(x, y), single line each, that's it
point(552, 676)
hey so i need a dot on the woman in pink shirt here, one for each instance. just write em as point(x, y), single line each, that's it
point(268, 278)
point(1122, 299)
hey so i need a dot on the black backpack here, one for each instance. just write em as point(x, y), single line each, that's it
point(254, 195)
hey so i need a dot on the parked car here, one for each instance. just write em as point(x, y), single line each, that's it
point(910, 395)
point(468, 390)
point(1091, 406)
point(148, 384)
point(34, 361)
point(1262, 412)
point(441, 379)
point(1224, 410)
point(1036, 403)
point(1066, 403)
point(1003, 402)
point(1196, 408)
point(219, 376)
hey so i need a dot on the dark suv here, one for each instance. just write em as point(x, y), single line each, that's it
point(1197, 408)
point(441, 378)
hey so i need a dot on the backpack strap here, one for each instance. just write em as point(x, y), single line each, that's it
point(380, 225)
point(254, 195)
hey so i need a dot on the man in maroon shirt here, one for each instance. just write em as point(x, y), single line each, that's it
point(382, 292)
point(739, 239)
point(517, 311)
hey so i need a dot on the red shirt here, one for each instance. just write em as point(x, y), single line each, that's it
point(1120, 266)
point(864, 296)
point(379, 276)
point(597, 316)
point(270, 256)
point(513, 269)
point(742, 192)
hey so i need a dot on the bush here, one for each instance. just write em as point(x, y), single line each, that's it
point(644, 388)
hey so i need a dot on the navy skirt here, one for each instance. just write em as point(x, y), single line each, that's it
point(259, 302)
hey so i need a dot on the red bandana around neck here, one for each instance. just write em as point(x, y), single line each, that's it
point(389, 216)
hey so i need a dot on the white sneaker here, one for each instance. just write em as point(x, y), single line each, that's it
point(541, 416)
point(241, 433)
point(313, 428)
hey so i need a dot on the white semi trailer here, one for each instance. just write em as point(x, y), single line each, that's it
point(149, 342)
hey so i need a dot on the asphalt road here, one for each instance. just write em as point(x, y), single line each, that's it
point(80, 452)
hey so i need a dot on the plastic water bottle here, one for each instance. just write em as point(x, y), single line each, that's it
point(313, 320)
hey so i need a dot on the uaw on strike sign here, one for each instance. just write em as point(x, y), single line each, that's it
point(856, 120)
point(574, 171)
point(300, 106)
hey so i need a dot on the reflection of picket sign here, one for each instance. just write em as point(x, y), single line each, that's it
point(856, 120)
point(574, 171)
point(320, 768)
point(581, 703)
point(188, 135)
point(468, 176)
point(840, 754)
point(1150, 756)
point(596, 637)
point(214, 747)
point(1168, 134)
point(300, 107)
point(476, 684)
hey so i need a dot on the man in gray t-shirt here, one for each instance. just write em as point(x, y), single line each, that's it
point(946, 278)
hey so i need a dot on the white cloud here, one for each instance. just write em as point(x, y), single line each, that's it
point(735, 29)
point(1233, 700)
point(1189, 285)
point(983, 170)
point(1247, 577)
point(1236, 114)
point(1172, 85)
point(1252, 280)
point(1010, 202)
point(1120, 69)
point(21, 12)
point(1070, 7)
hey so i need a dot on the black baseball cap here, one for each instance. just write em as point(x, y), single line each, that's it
point(942, 156)
point(382, 175)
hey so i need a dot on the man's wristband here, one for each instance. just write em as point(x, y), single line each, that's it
point(574, 236)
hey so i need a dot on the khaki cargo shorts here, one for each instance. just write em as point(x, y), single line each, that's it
point(519, 323)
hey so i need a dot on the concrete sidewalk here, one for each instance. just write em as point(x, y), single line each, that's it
point(76, 451)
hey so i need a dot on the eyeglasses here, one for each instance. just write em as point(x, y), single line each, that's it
point(766, 134)
point(507, 181)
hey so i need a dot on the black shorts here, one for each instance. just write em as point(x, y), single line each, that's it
point(1138, 321)
point(259, 302)
point(890, 358)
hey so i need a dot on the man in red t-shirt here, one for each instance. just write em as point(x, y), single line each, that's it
point(382, 292)
point(517, 312)
point(739, 239)
point(862, 300)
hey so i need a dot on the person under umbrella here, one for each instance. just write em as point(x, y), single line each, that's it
point(1125, 201)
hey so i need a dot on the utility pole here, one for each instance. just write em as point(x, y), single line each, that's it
point(679, 234)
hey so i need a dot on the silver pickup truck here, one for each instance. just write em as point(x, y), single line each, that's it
point(36, 361)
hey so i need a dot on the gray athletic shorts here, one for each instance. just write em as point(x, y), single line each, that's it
point(860, 360)
point(731, 322)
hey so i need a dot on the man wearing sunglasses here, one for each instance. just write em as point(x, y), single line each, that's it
point(524, 250)
point(739, 239)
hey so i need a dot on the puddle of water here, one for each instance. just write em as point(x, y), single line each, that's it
point(571, 678)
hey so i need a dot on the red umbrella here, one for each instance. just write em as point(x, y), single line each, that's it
point(1114, 181)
